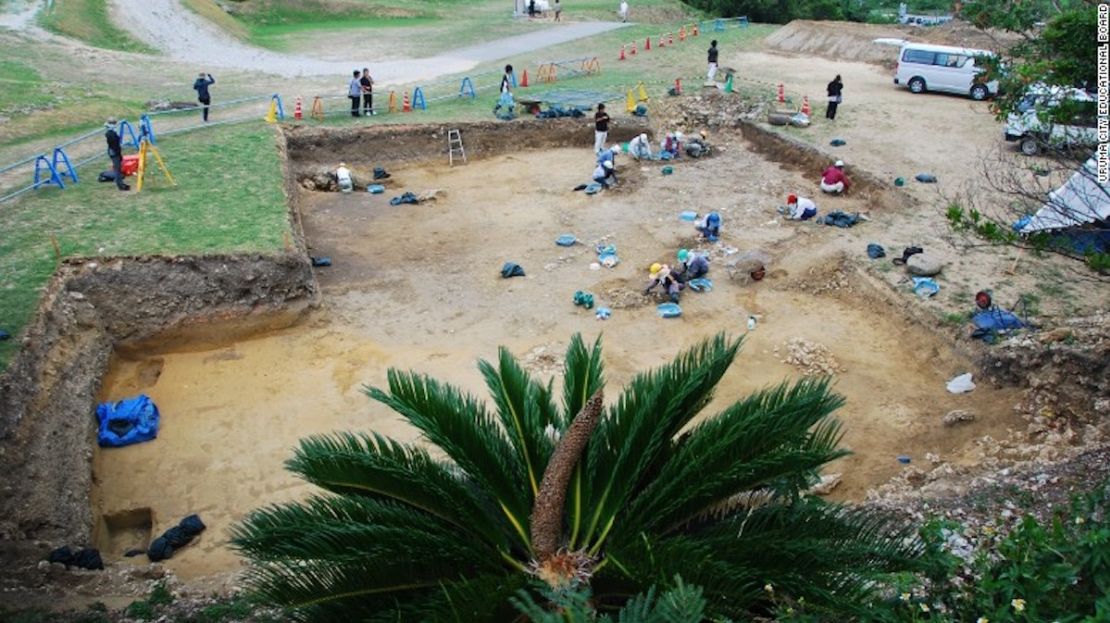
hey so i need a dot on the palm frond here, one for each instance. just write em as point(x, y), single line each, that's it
point(583, 376)
point(783, 433)
point(635, 436)
point(525, 410)
point(375, 466)
point(354, 550)
point(459, 425)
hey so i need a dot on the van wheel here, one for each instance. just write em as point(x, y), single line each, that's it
point(917, 85)
point(1029, 147)
point(979, 92)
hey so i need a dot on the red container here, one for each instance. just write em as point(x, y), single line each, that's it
point(130, 165)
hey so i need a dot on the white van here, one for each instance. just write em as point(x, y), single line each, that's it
point(1032, 128)
point(923, 67)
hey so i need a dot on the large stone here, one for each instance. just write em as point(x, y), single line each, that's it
point(923, 265)
point(959, 416)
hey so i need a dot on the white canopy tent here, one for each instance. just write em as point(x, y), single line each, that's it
point(1082, 199)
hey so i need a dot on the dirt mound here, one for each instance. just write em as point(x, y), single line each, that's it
point(847, 41)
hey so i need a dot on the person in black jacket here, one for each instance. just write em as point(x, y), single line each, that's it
point(712, 72)
point(201, 87)
point(833, 90)
point(115, 153)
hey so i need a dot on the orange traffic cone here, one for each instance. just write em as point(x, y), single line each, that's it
point(662, 41)
point(805, 105)
point(682, 34)
point(694, 28)
point(407, 105)
point(632, 50)
point(647, 44)
point(670, 38)
point(524, 79)
point(678, 86)
point(782, 94)
point(622, 53)
point(297, 114)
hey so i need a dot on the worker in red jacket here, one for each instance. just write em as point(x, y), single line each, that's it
point(833, 179)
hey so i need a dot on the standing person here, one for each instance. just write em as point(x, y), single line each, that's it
point(507, 80)
point(115, 152)
point(367, 84)
point(833, 90)
point(558, 9)
point(601, 128)
point(200, 85)
point(531, 8)
point(354, 91)
point(711, 74)
point(624, 10)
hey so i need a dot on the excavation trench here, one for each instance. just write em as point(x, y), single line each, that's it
point(418, 287)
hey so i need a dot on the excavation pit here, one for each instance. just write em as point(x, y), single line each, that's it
point(418, 287)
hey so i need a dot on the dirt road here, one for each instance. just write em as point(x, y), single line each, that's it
point(185, 36)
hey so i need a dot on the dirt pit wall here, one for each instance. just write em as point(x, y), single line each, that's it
point(364, 148)
point(811, 161)
point(48, 395)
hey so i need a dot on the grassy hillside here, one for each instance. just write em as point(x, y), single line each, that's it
point(87, 20)
point(91, 219)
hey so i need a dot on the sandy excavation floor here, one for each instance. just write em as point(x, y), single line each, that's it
point(418, 287)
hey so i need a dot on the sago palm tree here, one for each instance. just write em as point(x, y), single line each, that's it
point(618, 498)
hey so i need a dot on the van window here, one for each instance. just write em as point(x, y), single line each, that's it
point(919, 56)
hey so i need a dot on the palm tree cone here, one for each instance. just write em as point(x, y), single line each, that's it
point(621, 498)
point(568, 568)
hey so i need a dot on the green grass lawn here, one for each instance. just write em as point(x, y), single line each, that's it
point(657, 68)
point(21, 86)
point(228, 198)
point(87, 20)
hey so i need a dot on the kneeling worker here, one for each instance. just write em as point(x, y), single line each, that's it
point(609, 154)
point(343, 176)
point(833, 179)
point(800, 208)
point(605, 174)
point(690, 266)
point(640, 147)
point(661, 276)
point(710, 226)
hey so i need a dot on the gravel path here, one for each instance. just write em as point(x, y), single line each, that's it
point(19, 14)
point(184, 36)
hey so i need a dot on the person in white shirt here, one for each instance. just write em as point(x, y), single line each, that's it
point(640, 148)
point(624, 11)
point(800, 208)
point(343, 176)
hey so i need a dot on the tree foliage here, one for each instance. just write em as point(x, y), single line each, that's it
point(407, 533)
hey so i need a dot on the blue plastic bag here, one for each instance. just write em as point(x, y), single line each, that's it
point(375, 189)
point(131, 420)
point(669, 310)
point(689, 215)
point(925, 287)
point(566, 240)
point(701, 284)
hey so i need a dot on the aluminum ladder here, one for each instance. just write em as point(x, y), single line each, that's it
point(455, 145)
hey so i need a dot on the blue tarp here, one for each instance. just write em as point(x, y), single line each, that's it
point(131, 420)
point(997, 320)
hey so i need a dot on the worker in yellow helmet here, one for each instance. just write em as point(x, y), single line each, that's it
point(660, 275)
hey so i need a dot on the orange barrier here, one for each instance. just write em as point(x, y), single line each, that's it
point(622, 54)
point(392, 101)
point(632, 50)
point(318, 108)
point(524, 80)
point(682, 34)
point(547, 73)
point(647, 44)
point(407, 105)
point(297, 113)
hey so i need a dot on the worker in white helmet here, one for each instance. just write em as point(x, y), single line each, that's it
point(606, 174)
point(343, 176)
point(640, 148)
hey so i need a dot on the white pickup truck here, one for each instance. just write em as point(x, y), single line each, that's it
point(1033, 128)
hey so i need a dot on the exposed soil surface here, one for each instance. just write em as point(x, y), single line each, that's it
point(417, 286)
point(847, 41)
